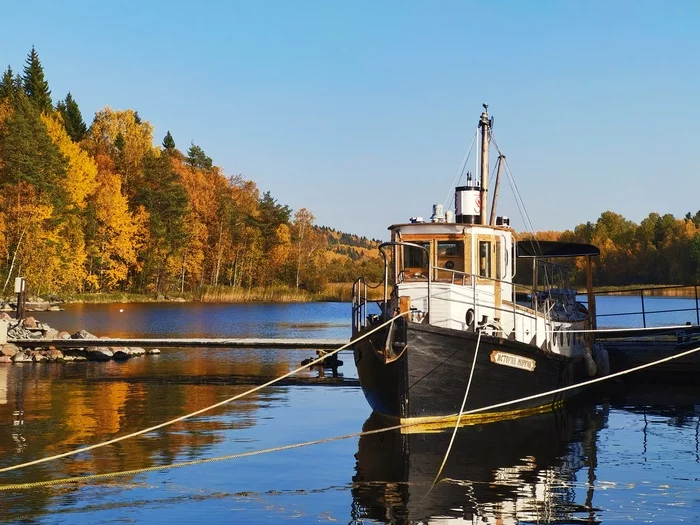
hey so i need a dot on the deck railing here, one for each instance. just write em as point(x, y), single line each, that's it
point(360, 291)
point(660, 291)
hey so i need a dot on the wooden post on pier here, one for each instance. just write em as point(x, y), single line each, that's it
point(21, 291)
point(591, 323)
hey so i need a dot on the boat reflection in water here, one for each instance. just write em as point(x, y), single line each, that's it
point(507, 471)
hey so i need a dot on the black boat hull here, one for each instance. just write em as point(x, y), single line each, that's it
point(428, 377)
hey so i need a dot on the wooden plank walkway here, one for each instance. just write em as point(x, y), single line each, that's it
point(203, 342)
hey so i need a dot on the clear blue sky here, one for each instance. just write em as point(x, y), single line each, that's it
point(362, 111)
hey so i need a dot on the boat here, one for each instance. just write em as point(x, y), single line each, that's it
point(452, 321)
point(633, 336)
point(629, 352)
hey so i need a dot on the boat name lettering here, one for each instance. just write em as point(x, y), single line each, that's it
point(515, 361)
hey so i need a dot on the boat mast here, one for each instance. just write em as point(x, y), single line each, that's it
point(485, 125)
point(494, 201)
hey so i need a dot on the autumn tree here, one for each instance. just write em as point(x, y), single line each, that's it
point(35, 86)
point(114, 234)
point(81, 171)
point(28, 214)
point(126, 139)
point(72, 118)
point(308, 247)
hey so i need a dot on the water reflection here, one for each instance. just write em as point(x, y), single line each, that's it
point(502, 472)
point(51, 409)
point(287, 320)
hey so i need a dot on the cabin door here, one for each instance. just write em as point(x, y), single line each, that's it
point(500, 275)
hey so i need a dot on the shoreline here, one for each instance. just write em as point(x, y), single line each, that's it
point(336, 292)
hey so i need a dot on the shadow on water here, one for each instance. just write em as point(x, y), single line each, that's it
point(539, 469)
point(506, 471)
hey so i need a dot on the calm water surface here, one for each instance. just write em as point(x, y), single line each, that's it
point(629, 455)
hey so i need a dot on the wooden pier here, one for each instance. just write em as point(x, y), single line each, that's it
point(181, 342)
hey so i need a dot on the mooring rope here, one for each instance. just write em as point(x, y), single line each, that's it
point(205, 409)
point(461, 410)
point(61, 481)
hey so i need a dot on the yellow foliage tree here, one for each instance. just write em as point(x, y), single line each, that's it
point(115, 242)
point(82, 170)
point(125, 138)
point(26, 242)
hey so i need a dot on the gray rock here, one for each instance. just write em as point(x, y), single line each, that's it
point(99, 353)
point(68, 358)
point(152, 351)
point(83, 334)
point(51, 333)
point(21, 357)
point(63, 335)
point(9, 350)
point(80, 358)
point(137, 350)
point(30, 322)
point(121, 353)
point(74, 352)
point(38, 357)
point(54, 354)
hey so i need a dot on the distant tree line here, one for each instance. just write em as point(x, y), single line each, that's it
point(99, 208)
point(660, 250)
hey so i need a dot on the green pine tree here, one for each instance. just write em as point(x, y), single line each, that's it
point(165, 199)
point(197, 159)
point(272, 214)
point(28, 154)
point(169, 142)
point(36, 88)
point(72, 118)
point(8, 89)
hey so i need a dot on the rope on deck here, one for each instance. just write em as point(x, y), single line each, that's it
point(76, 479)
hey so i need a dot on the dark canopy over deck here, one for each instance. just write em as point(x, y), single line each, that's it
point(545, 249)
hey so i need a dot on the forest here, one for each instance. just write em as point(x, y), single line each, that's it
point(99, 208)
point(660, 250)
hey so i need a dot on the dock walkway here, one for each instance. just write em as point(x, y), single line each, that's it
point(179, 342)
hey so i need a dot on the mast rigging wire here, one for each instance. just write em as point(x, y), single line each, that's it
point(456, 180)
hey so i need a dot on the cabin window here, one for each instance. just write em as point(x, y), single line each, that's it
point(450, 255)
point(450, 249)
point(416, 257)
point(484, 258)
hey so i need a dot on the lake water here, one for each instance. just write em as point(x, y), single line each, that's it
point(631, 454)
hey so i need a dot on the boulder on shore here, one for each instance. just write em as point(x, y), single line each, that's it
point(99, 353)
point(9, 349)
point(83, 334)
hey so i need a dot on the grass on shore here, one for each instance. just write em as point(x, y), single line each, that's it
point(650, 290)
point(333, 292)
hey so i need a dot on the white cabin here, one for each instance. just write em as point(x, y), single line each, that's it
point(460, 276)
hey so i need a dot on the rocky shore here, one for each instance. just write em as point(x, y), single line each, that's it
point(31, 329)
